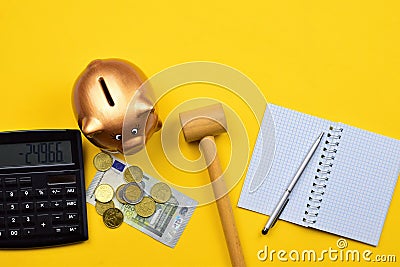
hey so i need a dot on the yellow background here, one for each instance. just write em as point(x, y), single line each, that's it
point(335, 59)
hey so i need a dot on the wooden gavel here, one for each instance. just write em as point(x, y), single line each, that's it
point(202, 125)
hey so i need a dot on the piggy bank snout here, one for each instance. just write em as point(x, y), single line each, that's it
point(153, 124)
point(134, 140)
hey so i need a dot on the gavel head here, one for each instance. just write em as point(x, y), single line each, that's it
point(206, 121)
point(101, 96)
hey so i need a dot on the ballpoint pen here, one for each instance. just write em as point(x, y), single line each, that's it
point(285, 197)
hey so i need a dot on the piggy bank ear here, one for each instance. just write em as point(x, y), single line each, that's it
point(90, 126)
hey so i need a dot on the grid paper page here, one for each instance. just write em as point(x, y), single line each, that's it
point(363, 178)
point(295, 134)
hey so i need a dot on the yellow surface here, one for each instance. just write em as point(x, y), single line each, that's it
point(335, 59)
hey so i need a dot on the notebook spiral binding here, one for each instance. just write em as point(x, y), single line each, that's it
point(322, 175)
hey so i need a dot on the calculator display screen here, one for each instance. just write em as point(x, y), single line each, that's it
point(36, 154)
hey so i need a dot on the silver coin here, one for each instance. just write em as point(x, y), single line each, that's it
point(132, 193)
point(118, 194)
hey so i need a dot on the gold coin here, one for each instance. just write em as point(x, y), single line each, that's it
point(146, 207)
point(102, 207)
point(113, 218)
point(104, 193)
point(133, 174)
point(132, 193)
point(119, 194)
point(161, 192)
point(102, 161)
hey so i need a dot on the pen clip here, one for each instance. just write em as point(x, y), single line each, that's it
point(280, 211)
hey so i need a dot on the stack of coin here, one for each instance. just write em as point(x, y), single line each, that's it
point(130, 193)
point(112, 217)
point(133, 194)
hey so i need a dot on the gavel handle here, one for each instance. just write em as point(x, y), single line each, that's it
point(208, 148)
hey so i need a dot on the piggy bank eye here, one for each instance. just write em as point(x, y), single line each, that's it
point(118, 137)
point(134, 131)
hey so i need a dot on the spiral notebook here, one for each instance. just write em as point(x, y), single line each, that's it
point(347, 186)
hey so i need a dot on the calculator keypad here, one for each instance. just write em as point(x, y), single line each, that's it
point(30, 207)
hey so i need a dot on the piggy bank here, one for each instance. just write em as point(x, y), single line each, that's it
point(101, 97)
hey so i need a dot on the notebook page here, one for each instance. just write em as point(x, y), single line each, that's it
point(295, 133)
point(361, 185)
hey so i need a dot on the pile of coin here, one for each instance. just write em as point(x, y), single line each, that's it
point(112, 217)
point(129, 193)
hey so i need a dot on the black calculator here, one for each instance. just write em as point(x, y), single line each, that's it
point(42, 189)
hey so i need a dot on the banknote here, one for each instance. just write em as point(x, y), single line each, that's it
point(166, 225)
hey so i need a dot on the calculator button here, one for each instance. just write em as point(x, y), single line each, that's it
point(41, 192)
point(70, 191)
point(25, 181)
point(54, 192)
point(59, 229)
point(1, 208)
point(71, 204)
point(2, 222)
point(14, 233)
point(2, 234)
point(25, 193)
point(28, 231)
point(11, 195)
point(57, 205)
point(57, 218)
point(43, 222)
point(10, 182)
point(13, 221)
point(28, 220)
point(72, 229)
point(27, 206)
point(42, 206)
point(71, 217)
point(12, 207)
point(1, 195)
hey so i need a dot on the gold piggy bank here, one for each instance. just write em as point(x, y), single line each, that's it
point(103, 95)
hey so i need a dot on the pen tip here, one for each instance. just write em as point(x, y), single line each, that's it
point(264, 231)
